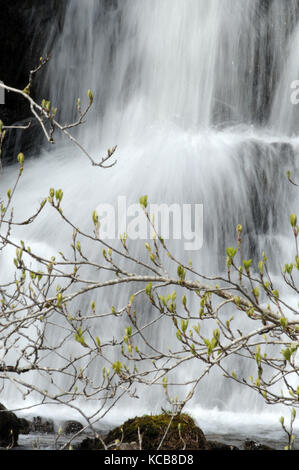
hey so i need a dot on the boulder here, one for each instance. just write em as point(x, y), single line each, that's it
point(9, 428)
point(152, 429)
point(72, 427)
point(252, 445)
point(90, 444)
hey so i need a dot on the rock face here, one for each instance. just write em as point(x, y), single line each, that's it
point(26, 141)
point(215, 445)
point(27, 28)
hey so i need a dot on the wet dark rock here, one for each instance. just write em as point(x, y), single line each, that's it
point(9, 428)
point(27, 31)
point(215, 445)
point(71, 427)
point(42, 425)
point(90, 444)
point(25, 427)
point(252, 445)
point(25, 27)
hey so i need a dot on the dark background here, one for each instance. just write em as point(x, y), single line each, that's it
point(27, 29)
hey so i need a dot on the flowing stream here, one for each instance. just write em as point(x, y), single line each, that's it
point(197, 96)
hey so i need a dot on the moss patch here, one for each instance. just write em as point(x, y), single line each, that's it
point(152, 429)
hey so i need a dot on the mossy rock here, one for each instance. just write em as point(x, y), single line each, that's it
point(152, 429)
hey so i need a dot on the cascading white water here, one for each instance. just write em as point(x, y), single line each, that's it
point(196, 96)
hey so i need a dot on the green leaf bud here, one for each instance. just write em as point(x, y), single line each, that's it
point(293, 220)
point(21, 158)
point(247, 264)
point(90, 96)
point(143, 201)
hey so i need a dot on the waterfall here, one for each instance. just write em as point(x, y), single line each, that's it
point(196, 95)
